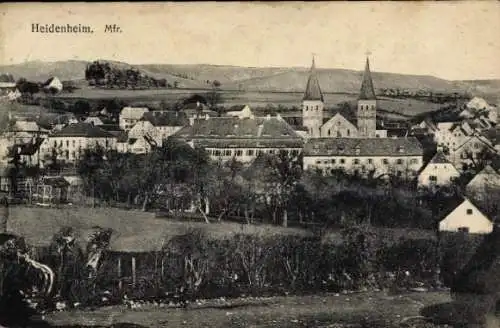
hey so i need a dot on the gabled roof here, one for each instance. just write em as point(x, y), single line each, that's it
point(439, 158)
point(367, 91)
point(482, 139)
point(166, 118)
point(313, 90)
point(245, 132)
point(363, 147)
point(82, 130)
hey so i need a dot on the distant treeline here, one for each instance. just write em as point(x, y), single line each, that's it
point(435, 97)
point(110, 76)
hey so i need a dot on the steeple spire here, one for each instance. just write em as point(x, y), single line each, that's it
point(367, 92)
point(313, 90)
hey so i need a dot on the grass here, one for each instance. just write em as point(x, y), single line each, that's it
point(252, 98)
point(369, 309)
point(133, 230)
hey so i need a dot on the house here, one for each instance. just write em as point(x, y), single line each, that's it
point(131, 115)
point(227, 138)
point(467, 218)
point(450, 134)
point(438, 172)
point(69, 142)
point(484, 184)
point(244, 112)
point(25, 131)
point(159, 125)
point(470, 153)
point(94, 120)
point(29, 152)
point(53, 83)
point(139, 145)
point(339, 126)
point(389, 156)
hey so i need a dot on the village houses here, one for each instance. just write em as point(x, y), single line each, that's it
point(158, 125)
point(438, 172)
point(471, 153)
point(466, 217)
point(69, 142)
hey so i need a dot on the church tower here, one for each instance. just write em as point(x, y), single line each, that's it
point(367, 106)
point(313, 104)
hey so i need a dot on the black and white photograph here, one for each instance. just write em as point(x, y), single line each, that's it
point(250, 164)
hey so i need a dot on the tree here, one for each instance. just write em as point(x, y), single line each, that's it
point(214, 97)
point(277, 176)
point(81, 108)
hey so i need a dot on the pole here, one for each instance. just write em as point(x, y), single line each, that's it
point(133, 271)
point(119, 269)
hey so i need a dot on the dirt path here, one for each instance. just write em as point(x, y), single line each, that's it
point(373, 309)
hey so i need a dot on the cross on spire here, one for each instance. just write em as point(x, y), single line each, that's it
point(368, 53)
point(313, 60)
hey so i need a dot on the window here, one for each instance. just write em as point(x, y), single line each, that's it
point(385, 161)
point(227, 152)
point(250, 152)
point(399, 161)
point(295, 152)
point(271, 151)
point(239, 152)
point(333, 161)
point(469, 211)
point(73, 143)
point(325, 162)
point(463, 229)
point(356, 161)
point(414, 161)
point(329, 133)
point(217, 152)
point(370, 161)
point(339, 135)
point(342, 161)
point(318, 162)
point(317, 107)
point(433, 178)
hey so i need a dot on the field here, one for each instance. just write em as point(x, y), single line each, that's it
point(132, 230)
point(368, 310)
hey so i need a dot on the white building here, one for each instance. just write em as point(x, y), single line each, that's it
point(438, 172)
point(227, 138)
point(129, 116)
point(54, 83)
point(388, 156)
point(159, 125)
point(244, 112)
point(70, 141)
point(467, 218)
point(469, 152)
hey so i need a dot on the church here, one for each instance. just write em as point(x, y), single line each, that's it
point(338, 126)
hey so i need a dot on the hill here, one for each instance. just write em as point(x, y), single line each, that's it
point(259, 79)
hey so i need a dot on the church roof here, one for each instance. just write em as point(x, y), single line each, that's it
point(367, 92)
point(313, 90)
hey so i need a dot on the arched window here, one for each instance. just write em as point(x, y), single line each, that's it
point(317, 107)
point(348, 132)
point(329, 133)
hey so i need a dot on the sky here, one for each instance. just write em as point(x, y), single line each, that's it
point(451, 40)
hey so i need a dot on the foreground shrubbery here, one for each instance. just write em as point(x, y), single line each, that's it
point(193, 266)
